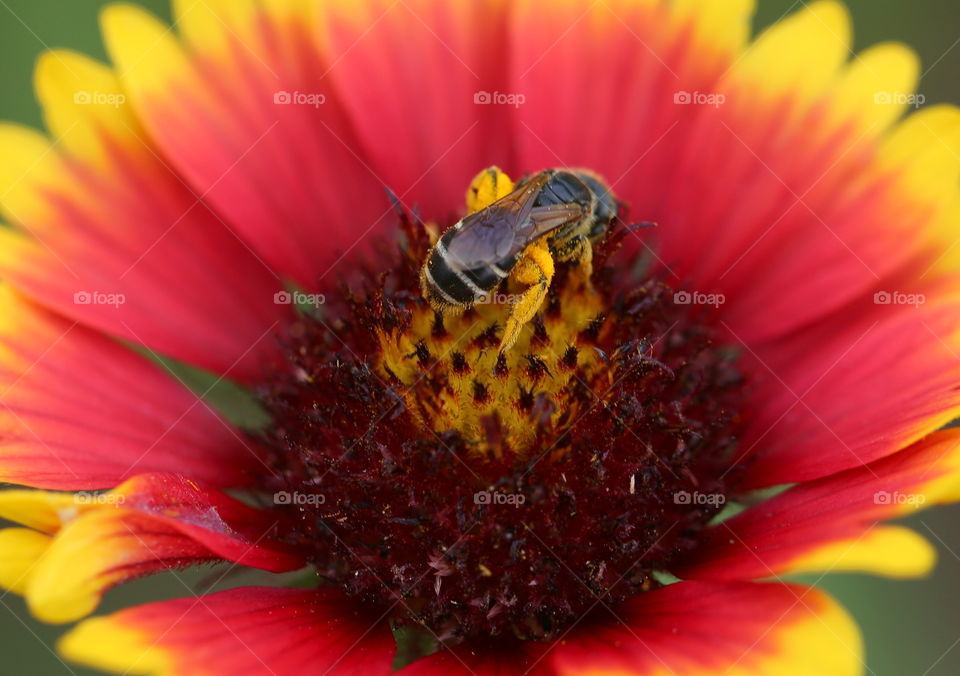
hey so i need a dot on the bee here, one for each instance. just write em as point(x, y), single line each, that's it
point(552, 215)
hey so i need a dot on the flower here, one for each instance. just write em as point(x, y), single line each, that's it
point(219, 197)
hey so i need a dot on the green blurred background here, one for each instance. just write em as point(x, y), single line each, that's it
point(911, 628)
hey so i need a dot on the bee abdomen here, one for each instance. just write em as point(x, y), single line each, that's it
point(456, 286)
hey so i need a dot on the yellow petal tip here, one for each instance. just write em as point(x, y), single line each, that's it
point(104, 643)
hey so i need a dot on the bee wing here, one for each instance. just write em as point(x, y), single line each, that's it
point(489, 235)
point(506, 227)
point(548, 218)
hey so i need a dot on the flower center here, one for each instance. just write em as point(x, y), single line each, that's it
point(480, 493)
point(504, 406)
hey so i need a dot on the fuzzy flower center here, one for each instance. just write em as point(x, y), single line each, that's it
point(479, 494)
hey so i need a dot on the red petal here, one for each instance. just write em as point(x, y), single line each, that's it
point(81, 411)
point(821, 403)
point(435, 117)
point(600, 82)
point(506, 658)
point(229, 528)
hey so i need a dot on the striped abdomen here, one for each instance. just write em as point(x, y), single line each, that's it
point(449, 282)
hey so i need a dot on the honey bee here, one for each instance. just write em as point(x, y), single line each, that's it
point(552, 215)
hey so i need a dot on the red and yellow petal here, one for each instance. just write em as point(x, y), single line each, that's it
point(817, 221)
point(696, 628)
point(803, 136)
point(255, 126)
point(832, 524)
point(81, 411)
point(92, 542)
point(795, 60)
point(246, 631)
point(108, 234)
point(686, 629)
point(93, 553)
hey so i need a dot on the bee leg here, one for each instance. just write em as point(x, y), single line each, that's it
point(535, 271)
point(581, 250)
